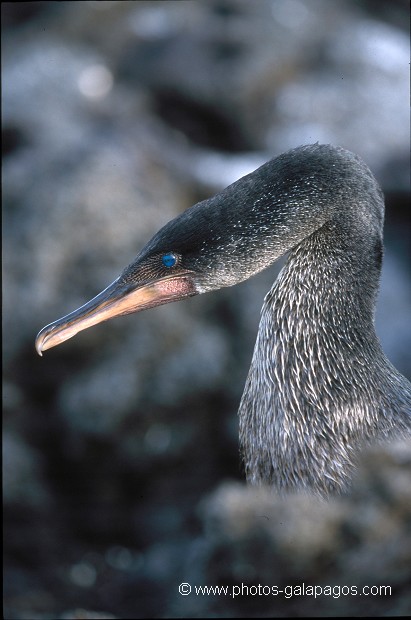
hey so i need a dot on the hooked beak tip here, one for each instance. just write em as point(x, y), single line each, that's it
point(38, 348)
point(40, 342)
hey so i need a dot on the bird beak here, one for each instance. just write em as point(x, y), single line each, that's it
point(117, 299)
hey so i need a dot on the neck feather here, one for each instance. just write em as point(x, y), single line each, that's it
point(317, 386)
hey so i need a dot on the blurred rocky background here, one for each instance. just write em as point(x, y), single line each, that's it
point(121, 473)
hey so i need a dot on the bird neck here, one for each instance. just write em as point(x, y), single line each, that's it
point(327, 294)
point(311, 396)
point(320, 312)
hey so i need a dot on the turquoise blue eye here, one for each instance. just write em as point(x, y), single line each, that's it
point(169, 260)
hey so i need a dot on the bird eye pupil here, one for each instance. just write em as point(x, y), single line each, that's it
point(169, 260)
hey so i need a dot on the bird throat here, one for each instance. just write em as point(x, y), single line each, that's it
point(299, 415)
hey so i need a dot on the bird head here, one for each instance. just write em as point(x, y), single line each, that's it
point(211, 245)
point(231, 236)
